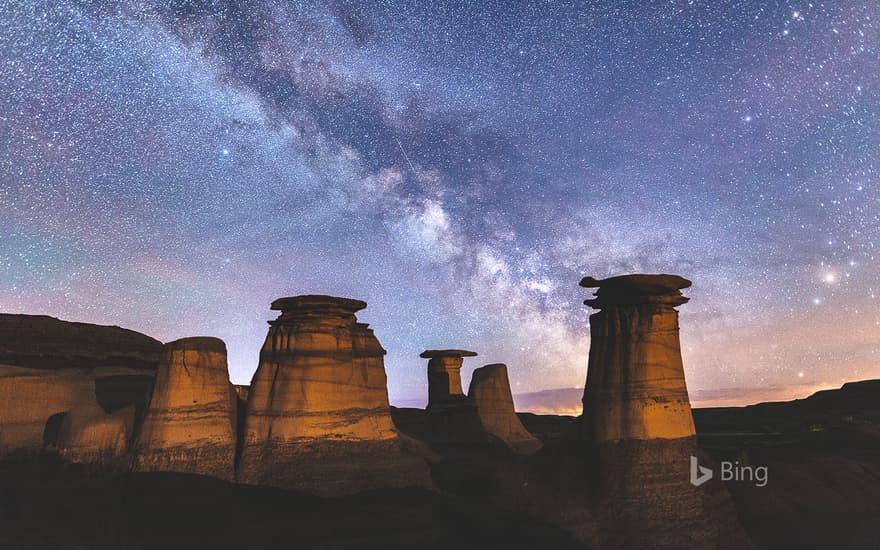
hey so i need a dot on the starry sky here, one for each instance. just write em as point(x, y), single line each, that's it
point(173, 167)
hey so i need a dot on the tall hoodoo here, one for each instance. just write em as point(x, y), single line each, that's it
point(637, 419)
point(309, 383)
point(318, 404)
point(635, 384)
point(190, 421)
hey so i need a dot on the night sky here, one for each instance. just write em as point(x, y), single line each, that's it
point(174, 167)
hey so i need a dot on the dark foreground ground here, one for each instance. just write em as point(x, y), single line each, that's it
point(823, 491)
point(823, 460)
point(171, 511)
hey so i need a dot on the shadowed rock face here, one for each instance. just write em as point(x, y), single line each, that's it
point(451, 415)
point(444, 376)
point(637, 419)
point(490, 392)
point(190, 421)
point(318, 417)
point(42, 342)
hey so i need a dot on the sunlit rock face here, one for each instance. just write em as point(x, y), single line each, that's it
point(318, 417)
point(89, 435)
point(637, 420)
point(29, 398)
point(635, 384)
point(490, 392)
point(189, 425)
point(50, 367)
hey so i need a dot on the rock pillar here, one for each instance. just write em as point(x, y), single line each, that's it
point(490, 392)
point(444, 377)
point(635, 384)
point(452, 417)
point(190, 421)
point(637, 420)
point(318, 417)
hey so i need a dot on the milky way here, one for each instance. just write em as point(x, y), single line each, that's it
point(174, 167)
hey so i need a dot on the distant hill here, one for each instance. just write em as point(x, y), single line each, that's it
point(567, 401)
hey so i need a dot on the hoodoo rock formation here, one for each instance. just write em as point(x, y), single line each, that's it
point(490, 392)
point(637, 419)
point(318, 417)
point(190, 422)
point(452, 416)
point(444, 377)
point(635, 386)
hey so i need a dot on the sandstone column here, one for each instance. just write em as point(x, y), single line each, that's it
point(635, 387)
point(452, 417)
point(190, 421)
point(490, 392)
point(318, 417)
point(637, 420)
point(444, 377)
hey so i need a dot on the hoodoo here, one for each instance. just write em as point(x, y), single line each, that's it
point(190, 421)
point(490, 392)
point(637, 419)
point(318, 417)
point(444, 377)
point(635, 386)
point(451, 415)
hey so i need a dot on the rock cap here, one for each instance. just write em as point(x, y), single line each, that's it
point(317, 302)
point(198, 343)
point(637, 289)
point(431, 353)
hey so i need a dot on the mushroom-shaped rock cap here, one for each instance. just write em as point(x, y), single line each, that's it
point(199, 343)
point(317, 302)
point(633, 289)
point(431, 353)
point(643, 285)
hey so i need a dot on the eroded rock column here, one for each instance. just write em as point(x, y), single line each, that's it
point(189, 425)
point(635, 384)
point(490, 392)
point(452, 417)
point(637, 420)
point(318, 417)
point(444, 377)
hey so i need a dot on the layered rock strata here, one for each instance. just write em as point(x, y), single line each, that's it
point(490, 392)
point(43, 342)
point(50, 367)
point(318, 417)
point(637, 420)
point(189, 424)
point(89, 435)
point(635, 385)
